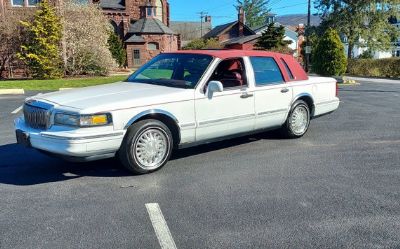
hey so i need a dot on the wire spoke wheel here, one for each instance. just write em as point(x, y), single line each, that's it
point(299, 120)
point(151, 148)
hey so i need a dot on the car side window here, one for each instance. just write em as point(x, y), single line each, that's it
point(231, 73)
point(266, 71)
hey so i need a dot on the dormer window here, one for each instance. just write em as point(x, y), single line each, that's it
point(150, 11)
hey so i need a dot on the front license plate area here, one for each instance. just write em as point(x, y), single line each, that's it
point(23, 138)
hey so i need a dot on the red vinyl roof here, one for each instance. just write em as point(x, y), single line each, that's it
point(229, 53)
point(295, 68)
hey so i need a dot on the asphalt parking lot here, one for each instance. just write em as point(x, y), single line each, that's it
point(337, 187)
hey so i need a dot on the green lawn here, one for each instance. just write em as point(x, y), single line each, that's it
point(59, 83)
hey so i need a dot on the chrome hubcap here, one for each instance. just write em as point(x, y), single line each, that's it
point(151, 148)
point(299, 120)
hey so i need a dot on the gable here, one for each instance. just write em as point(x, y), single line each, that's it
point(228, 31)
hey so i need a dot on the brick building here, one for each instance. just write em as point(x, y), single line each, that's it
point(142, 24)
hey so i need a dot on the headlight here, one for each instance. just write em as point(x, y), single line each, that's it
point(82, 120)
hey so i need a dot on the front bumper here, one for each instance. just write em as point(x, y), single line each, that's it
point(88, 143)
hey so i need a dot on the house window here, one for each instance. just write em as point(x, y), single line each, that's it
point(33, 2)
point(152, 46)
point(150, 11)
point(136, 57)
point(17, 2)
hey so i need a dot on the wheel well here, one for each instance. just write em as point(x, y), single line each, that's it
point(168, 121)
point(310, 103)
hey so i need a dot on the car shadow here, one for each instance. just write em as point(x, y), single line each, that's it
point(23, 166)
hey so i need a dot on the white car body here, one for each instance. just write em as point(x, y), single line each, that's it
point(197, 117)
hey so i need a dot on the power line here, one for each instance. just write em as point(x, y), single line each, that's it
point(202, 15)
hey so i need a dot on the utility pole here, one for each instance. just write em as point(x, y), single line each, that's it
point(202, 15)
point(308, 45)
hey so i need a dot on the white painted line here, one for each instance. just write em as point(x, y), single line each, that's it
point(17, 110)
point(12, 91)
point(160, 226)
point(20, 108)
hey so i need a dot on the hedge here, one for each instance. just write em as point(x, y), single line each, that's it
point(388, 68)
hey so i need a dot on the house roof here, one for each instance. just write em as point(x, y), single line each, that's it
point(135, 39)
point(218, 30)
point(288, 32)
point(151, 26)
point(241, 40)
point(296, 19)
point(190, 30)
point(112, 4)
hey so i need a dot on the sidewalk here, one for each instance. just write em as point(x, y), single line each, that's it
point(373, 80)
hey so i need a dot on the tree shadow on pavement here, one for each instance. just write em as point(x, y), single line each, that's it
point(23, 166)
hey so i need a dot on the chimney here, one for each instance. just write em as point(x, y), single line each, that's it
point(241, 20)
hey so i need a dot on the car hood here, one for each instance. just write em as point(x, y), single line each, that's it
point(115, 96)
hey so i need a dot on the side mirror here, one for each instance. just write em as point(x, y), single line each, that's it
point(214, 86)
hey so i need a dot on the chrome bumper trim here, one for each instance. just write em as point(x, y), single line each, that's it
point(82, 138)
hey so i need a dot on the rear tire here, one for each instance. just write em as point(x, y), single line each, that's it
point(298, 120)
point(146, 147)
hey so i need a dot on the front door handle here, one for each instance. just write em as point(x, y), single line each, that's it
point(246, 95)
point(285, 90)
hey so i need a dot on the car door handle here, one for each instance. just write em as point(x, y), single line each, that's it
point(246, 95)
point(285, 90)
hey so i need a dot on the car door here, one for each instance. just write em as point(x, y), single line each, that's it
point(272, 95)
point(230, 111)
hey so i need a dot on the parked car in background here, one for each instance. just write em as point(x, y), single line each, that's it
point(177, 100)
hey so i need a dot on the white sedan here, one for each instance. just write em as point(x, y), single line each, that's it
point(177, 100)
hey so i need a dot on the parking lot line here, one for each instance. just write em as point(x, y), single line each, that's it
point(17, 110)
point(160, 226)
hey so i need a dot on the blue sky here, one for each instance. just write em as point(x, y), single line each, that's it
point(223, 11)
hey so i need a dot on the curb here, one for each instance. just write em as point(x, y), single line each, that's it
point(345, 80)
point(12, 91)
point(349, 84)
point(65, 88)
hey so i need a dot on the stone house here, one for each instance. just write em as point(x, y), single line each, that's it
point(144, 27)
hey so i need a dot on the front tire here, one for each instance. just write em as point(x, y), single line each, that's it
point(147, 146)
point(298, 120)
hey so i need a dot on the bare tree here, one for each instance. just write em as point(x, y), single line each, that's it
point(11, 38)
point(85, 37)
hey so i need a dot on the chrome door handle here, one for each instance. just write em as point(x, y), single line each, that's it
point(246, 95)
point(285, 90)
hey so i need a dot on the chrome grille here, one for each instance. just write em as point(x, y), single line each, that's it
point(36, 117)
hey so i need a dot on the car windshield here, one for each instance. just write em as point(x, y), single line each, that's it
point(173, 70)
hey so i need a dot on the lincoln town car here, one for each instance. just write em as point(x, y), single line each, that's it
point(177, 100)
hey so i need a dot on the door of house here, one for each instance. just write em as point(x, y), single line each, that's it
point(136, 57)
